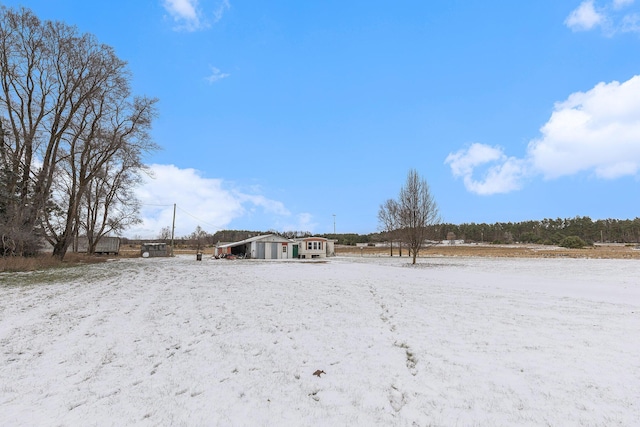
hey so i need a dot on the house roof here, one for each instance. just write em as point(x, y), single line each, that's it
point(312, 238)
point(269, 237)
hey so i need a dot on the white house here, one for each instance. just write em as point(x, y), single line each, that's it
point(315, 247)
point(271, 246)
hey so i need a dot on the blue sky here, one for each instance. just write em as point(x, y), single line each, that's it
point(280, 114)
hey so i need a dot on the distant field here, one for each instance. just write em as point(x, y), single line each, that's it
point(606, 251)
point(612, 251)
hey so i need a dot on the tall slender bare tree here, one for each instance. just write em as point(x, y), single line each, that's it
point(388, 221)
point(109, 205)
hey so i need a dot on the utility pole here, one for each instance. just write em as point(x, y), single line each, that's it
point(173, 227)
point(334, 224)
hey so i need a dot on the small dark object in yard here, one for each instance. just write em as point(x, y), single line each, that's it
point(318, 373)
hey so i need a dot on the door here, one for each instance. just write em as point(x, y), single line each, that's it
point(274, 250)
point(295, 251)
point(260, 250)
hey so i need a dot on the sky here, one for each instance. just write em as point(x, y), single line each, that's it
point(307, 116)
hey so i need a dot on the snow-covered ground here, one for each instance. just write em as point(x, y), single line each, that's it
point(451, 341)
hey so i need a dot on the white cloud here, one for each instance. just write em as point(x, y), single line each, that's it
point(584, 17)
point(269, 206)
point(630, 23)
point(200, 201)
point(464, 161)
point(301, 222)
point(190, 16)
point(619, 4)
point(502, 174)
point(597, 131)
point(223, 7)
point(216, 75)
point(184, 13)
point(185, 9)
point(611, 17)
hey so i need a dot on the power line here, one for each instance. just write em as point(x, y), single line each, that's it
point(199, 219)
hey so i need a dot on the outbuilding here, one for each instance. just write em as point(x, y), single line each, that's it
point(268, 246)
point(106, 245)
point(152, 250)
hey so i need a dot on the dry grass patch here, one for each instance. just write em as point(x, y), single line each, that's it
point(133, 251)
point(504, 251)
point(46, 261)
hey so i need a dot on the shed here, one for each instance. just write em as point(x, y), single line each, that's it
point(151, 250)
point(106, 245)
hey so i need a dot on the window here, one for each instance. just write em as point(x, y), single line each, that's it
point(315, 246)
point(284, 249)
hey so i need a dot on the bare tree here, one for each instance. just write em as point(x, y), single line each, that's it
point(106, 159)
point(109, 204)
point(417, 210)
point(388, 220)
point(66, 104)
point(165, 234)
point(198, 236)
point(24, 85)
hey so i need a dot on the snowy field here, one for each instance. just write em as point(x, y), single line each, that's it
point(450, 342)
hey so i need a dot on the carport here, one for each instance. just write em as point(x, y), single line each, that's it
point(269, 246)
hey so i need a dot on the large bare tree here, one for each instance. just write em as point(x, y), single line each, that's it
point(103, 152)
point(416, 212)
point(67, 111)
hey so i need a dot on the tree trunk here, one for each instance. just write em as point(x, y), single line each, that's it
point(60, 248)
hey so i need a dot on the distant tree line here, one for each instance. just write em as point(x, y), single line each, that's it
point(350, 239)
point(546, 231)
